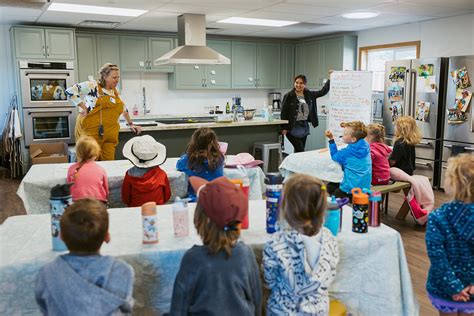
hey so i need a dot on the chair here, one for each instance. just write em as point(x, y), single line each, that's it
point(265, 148)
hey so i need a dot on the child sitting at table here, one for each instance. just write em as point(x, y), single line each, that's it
point(354, 159)
point(300, 260)
point(221, 276)
point(379, 153)
point(203, 158)
point(83, 282)
point(450, 242)
point(146, 181)
point(407, 135)
point(88, 178)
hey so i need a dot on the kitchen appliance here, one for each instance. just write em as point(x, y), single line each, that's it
point(237, 104)
point(458, 137)
point(274, 99)
point(417, 88)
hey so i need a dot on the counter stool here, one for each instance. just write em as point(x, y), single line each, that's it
point(265, 148)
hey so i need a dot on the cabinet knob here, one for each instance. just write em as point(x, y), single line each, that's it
point(196, 67)
point(141, 63)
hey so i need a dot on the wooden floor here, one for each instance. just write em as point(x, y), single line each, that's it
point(413, 236)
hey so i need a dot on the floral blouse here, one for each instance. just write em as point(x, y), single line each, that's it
point(87, 92)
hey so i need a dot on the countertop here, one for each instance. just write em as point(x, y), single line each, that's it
point(162, 126)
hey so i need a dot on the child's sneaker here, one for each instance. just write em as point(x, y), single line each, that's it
point(420, 215)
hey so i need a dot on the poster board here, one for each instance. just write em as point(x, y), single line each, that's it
point(350, 99)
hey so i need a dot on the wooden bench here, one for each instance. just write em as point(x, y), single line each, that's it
point(394, 187)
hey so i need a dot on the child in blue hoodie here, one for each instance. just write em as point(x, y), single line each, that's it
point(83, 282)
point(354, 159)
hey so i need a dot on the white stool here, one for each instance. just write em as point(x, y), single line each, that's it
point(265, 148)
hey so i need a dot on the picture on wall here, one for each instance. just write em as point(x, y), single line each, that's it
point(425, 70)
point(397, 74)
point(422, 111)
point(395, 93)
point(461, 78)
point(396, 109)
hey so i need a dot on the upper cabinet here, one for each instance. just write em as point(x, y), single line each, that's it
point(138, 53)
point(287, 62)
point(108, 49)
point(44, 43)
point(268, 65)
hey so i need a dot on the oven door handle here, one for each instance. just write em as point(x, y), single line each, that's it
point(47, 73)
point(448, 146)
point(48, 111)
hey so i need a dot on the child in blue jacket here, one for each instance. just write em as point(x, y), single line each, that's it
point(354, 159)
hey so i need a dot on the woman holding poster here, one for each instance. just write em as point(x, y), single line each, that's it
point(299, 108)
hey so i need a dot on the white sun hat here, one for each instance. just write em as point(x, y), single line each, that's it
point(144, 151)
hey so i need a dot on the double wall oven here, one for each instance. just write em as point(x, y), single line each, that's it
point(48, 115)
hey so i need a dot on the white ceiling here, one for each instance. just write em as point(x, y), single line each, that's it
point(325, 14)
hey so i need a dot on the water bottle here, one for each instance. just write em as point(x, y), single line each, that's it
point(375, 198)
point(245, 188)
point(180, 218)
point(60, 199)
point(360, 212)
point(270, 113)
point(341, 202)
point(150, 227)
point(274, 182)
point(333, 216)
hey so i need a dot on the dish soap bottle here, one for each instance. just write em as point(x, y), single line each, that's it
point(227, 108)
point(135, 110)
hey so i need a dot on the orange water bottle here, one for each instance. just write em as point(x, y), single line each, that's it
point(360, 212)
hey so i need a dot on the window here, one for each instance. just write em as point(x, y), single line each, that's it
point(373, 58)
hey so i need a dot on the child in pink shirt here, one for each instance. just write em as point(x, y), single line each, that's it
point(88, 178)
point(379, 153)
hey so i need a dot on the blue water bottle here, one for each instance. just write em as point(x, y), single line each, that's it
point(333, 216)
point(59, 200)
point(274, 182)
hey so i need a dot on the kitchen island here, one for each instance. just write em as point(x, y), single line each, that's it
point(239, 135)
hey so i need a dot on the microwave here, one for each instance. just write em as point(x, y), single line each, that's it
point(44, 84)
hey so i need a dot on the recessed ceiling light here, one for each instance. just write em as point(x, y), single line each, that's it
point(261, 22)
point(92, 9)
point(360, 15)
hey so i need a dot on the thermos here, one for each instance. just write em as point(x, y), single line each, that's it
point(360, 212)
point(180, 218)
point(150, 227)
point(60, 199)
point(333, 216)
point(274, 182)
point(341, 202)
point(245, 188)
point(375, 198)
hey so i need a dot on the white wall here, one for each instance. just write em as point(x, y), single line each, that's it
point(445, 37)
point(7, 84)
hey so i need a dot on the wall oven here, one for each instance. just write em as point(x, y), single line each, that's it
point(48, 116)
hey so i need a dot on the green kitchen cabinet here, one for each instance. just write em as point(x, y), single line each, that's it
point(316, 138)
point(44, 43)
point(312, 64)
point(299, 58)
point(138, 53)
point(287, 67)
point(268, 65)
point(108, 49)
point(244, 64)
point(204, 76)
point(86, 56)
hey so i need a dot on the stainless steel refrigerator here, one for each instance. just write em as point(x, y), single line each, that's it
point(458, 133)
point(416, 87)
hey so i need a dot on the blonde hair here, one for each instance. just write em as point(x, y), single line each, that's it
point(87, 149)
point(376, 132)
point(214, 238)
point(304, 204)
point(460, 176)
point(358, 128)
point(407, 131)
point(105, 71)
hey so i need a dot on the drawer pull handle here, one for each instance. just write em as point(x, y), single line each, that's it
point(424, 164)
point(469, 148)
point(426, 144)
point(448, 146)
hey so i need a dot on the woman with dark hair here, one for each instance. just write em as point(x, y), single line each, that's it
point(299, 108)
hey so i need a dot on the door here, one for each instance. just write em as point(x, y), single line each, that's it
point(86, 56)
point(268, 65)
point(218, 76)
point(60, 44)
point(49, 125)
point(29, 42)
point(427, 78)
point(312, 64)
point(287, 62)
point(157, 47)
point(108, 49)
point(459, 128)
point(397, 92)
point(133, 53)
point(243, 64)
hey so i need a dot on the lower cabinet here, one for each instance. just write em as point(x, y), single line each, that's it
point(317, 140)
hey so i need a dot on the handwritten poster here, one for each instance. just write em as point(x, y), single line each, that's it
point(350, 99)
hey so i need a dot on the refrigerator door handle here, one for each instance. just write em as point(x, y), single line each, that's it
point(428, 144)
point(469, 148)
point(424, 164)
point(413, 93)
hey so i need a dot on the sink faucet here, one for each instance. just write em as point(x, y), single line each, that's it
point(145, 111)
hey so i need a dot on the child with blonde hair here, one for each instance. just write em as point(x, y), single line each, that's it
point(354, 159)
point(221, 276)
point(300, 260)
point(88, 178)
point(379, 153)
point(407, 135)
point(450, 242)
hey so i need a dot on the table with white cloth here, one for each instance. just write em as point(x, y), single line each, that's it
point(372, 275)
point(36, 186)
point(316, 163)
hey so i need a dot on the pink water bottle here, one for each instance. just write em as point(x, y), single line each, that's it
point(180, 218)
point(245, 189)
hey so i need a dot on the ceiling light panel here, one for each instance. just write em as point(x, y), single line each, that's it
point(260, 22)
point(92, 9)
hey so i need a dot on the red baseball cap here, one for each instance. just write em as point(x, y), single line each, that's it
point(222, 201)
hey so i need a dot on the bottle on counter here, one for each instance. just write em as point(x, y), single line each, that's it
point(135, 110)
point(227, 108)
point(270, 113)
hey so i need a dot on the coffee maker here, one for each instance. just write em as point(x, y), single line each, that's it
point(274, 98)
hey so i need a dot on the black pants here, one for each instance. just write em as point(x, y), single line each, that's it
point(333, 189)
point(297, 142)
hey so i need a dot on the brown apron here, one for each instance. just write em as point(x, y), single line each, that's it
point(107, 110)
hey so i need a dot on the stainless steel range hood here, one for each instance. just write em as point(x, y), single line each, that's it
point(192, 44)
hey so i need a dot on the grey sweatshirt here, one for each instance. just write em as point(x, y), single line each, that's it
point(215, 285)
point(85, 285)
